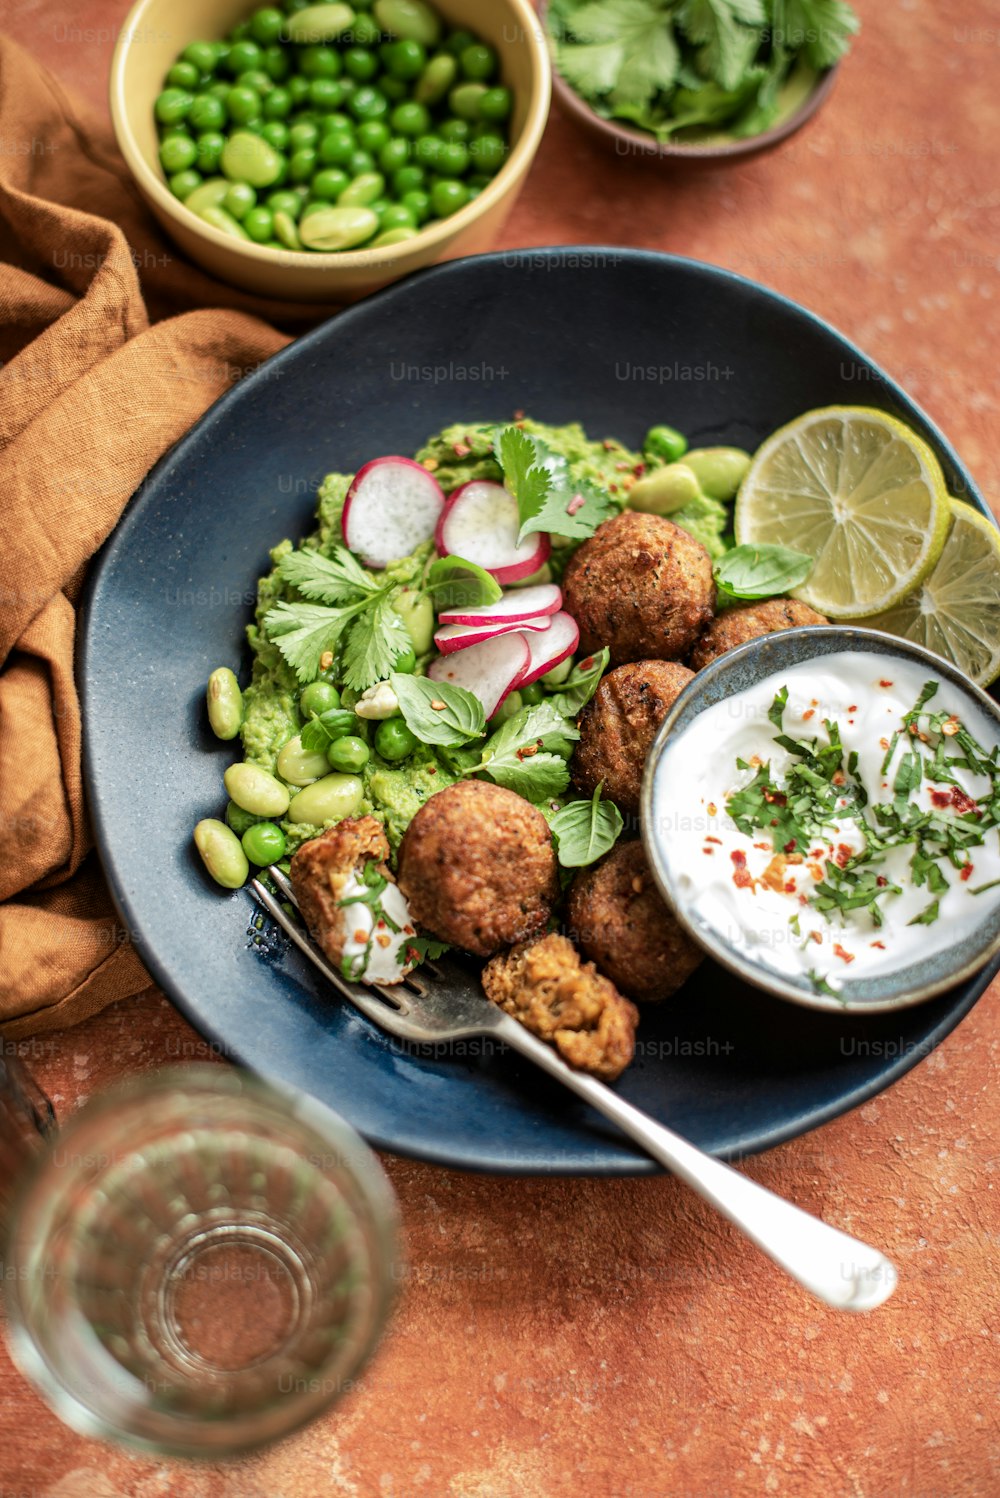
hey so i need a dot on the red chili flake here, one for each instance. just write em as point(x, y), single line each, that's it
point(882, 684)
point(586, 665)
point(741, 877)
point(810, 712)
point(951, 726)
point(765, 846)
point(853, 707)
point(776, 798)
point(623, 467)
point(518, 415)
point(814, 701)
point(576, 503)
point(965, 871)
point(838, 951)
point(911, 728)
point(608, 444)
point(709, 851)
point(613, 488)
point(816, 937)
point(838, 777)
point(803, 900)
point(380, 924)
point(432, 769)
point(408, 931)
point(883, 743)
point(956, 797)
point(790, 886)
point(714, 840)
point(639, 470)
point(880, 944)
point(881, 881)
point(712, 809)
point(844, 854)
point(789, 846)
point(461, 449)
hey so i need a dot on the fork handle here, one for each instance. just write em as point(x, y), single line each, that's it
point(836, 1268)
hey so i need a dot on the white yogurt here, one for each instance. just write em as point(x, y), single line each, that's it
point(759, 897)
point(371, 947)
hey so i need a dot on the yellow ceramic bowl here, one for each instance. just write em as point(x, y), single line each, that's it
point(153, 34)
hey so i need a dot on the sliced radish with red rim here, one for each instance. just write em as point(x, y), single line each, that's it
point(452, 637)
point(521, 603)
point(549, 648)
point(480, 522)
point(490, 670)
point(392, 506)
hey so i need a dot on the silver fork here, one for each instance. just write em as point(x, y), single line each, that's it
point(441, 1001)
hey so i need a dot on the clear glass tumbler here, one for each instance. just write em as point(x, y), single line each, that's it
point(199, 1263)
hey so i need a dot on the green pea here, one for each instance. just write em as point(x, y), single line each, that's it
point(396, 216)
point(406, 663)
point(238, 819)
point(243, 104)
point(488, 153)
point(275, 132)
point(666, 443)
point(259, 224)
point(184, 75)
point(457, 41)
point(427, 151)
point(558, 674)
point(243, 55)
point(410, 119)
point(448, 196)
point(210, 148)
point(221, 853)
point(328, 800)
point(298, 87)
point(339, 228)
point(407, 178)
point(285, 201)
point(453, 160)
point(172, 105)
point(202, 55)
point(256, 80)
point(302, 164)
point(360, 163)
point(465, 100)
point(394, 741)
point(363, 190)
point(419, 204)
point(512, 703)
point(336, 148)
point(264, 844)
point(396, 235)
point(348, 754)
point(256, 790)
point(410, 19)
point(326, 93)
point(319, 23)
point(298, 766)
point(177, 154)
point(394, 89)
point(394, 155)
point(266, 25)
point(286, 232)
point(275, 63)
point(404, 58)
point(663, 490)
point(495, 104)
point(368, 103)
point(210, 194)
point(719, 470)
point(372, 135)
point(436, 79)
point(183, 184)
point(278, 104)
point(360, 64)
point(303, 135)
point(219, 90)
point(248, 158)
point(455, 130)
point(225, 703)
point(366, 30)
point(531, 694)
point(207, 113)
point(239, 33)
point(318, 697)
point(328, 184)
point(239, 200)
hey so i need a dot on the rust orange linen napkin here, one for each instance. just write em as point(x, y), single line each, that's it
point(105, 363)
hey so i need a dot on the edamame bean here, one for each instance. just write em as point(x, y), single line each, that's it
point(318, 23)
point(558, 674)
point(417, 613)
point(720, 470)
point(264, 844)
point(327, 800)
point(436, 79)
point(286, 232)
point(221, 853)
point(338, 228)
point(664, 490)
point(394, 741)
point(256, 790)
point(363, 190)
point(410, 19)
point(666, 443)
point(300, 766)
point(209, 195)
point(220, 219)
point(248, 158)
point(394, 236)
point(225, 703)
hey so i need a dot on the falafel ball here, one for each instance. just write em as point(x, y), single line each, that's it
point(616, 916)
point(642, 586)
point(619, 725)
point(478, 868)
point(736, 626)
point(545, 986)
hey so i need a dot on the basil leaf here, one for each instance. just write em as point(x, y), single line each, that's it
point(585, 830)
point(458, 720)
point(457, 584)
point(320, 732)
point(581, 684)
point(761, 571)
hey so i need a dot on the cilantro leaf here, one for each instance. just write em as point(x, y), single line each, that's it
point(548, 497)
point(585, 830)
point(457, 719)
point(422, 949)
point(304, 632)
point(338, 578)
point(523, 475)
point(726, 47)
point(528, 753)
point(637, 40)
point(376, 642)
point(822, 29)
point(581, 684)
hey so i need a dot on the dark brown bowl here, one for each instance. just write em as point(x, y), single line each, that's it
point(627, 142)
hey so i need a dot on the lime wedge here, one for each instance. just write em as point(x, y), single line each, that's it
point(956, 609)
point(860, 493)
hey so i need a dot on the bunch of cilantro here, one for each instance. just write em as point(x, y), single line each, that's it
point(676, 66)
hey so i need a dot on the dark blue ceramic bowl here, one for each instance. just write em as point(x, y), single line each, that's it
point(617, 339)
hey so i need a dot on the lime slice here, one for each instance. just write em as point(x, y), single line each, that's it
point(860, 493)
point(956, 609)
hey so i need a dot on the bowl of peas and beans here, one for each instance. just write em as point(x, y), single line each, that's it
point(317, 151)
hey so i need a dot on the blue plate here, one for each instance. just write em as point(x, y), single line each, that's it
point(617, 339)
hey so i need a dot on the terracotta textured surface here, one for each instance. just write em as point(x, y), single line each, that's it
point(613, 1338)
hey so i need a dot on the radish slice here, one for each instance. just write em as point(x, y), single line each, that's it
point(480, 522)
point(490, 670)
point(548, 649)
point(523, 604)
point(452, 637)
point(391, 507)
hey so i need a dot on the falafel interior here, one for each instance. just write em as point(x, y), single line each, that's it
point(545, 985)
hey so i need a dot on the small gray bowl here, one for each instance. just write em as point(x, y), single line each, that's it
point(742, 668)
